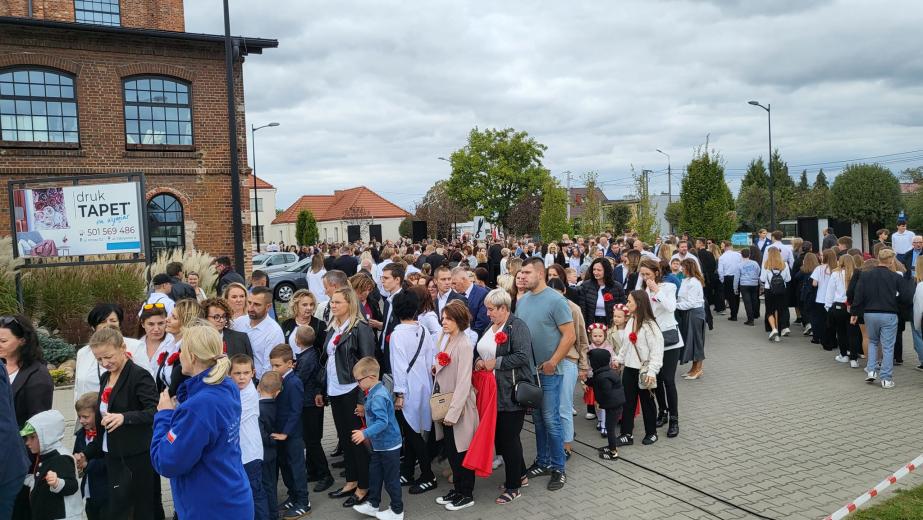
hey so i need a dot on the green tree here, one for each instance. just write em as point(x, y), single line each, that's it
point(707, 203)
point(644, 221)
point(440, 211)
point(674, 213)
point(618, 216)
point(524, 216)
point(495, 171)
point(821, 180)
point(405, 229)
point(306, 228)
point(865, 193)
point(591, 223)
point(803, 185)
point(914, 209)
point(552, 220)
point(756, 175)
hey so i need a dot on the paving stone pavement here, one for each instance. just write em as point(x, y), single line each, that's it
point(779, 429)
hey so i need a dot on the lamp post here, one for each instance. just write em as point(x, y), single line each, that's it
point(236, 224)
point(772, 197)
point(669, 176)
point(256, 209)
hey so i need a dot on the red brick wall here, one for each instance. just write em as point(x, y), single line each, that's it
point(149, 14)
point(99, 62)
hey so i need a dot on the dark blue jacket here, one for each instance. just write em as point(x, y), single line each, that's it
point(381, 424)
point(479, 319)
point(267, 425)
point(288, 406)
point(311, 374)
point(197, 446)
point(15, 464)
point(95, 475)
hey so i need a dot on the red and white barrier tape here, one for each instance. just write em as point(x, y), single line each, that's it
point(875, 491)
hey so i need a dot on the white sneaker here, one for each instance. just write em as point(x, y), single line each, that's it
point(786, 331)
point(589, 416)
point(498, 461)
point(854, 364)
point(807, 330)
point(887, 384)
point(388, 514)
point(573, 411)
point(778, 339)
point(841, 359)
point(773, 334)
point(366, 509)
point(870, 376)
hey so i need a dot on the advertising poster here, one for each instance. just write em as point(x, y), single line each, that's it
point(81, 220)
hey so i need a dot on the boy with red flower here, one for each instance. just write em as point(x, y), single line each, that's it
point(94, 485)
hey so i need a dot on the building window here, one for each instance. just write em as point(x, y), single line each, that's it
point(37, 106)
point(100, 12)
point(166, 225)
point(257, 206)
point(158, 112)
point(256, 234)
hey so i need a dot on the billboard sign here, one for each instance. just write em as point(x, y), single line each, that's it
point(82, 220)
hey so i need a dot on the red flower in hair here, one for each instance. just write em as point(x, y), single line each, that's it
point(174, 357)
point(162, 358)
point(501, 338)
point(106, 393)
point(607, 297)
point(443, 359)
point(336, 340)
point(633, 337)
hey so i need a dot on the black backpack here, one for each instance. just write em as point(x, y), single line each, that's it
point(777, 284)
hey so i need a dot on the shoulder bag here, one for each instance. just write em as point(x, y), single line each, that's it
point(527, 393)
point(439, 401)
point(643, 371)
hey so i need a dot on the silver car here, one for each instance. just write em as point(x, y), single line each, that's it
point(273, 262)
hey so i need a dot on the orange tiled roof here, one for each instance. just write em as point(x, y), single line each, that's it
point(261, 184)
point(336, 206)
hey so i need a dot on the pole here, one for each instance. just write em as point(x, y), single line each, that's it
point(772, 197)
point(568, 195)
point(256, 208)
point(236, 225)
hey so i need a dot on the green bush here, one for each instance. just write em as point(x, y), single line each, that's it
point(61, 377)
point(56, 350)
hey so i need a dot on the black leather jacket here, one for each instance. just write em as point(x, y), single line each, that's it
point(355, 344)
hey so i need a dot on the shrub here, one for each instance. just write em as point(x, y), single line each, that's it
point(56, 350)
point(61, 377)
point(193, 262)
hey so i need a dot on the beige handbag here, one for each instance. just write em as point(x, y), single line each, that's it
point(439, 403)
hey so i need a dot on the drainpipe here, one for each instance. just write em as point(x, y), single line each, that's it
point(30, 8)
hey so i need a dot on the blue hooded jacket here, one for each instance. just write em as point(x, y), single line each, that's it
point(197, 446)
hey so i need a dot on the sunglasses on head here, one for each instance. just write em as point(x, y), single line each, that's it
point(149, 306)
point(9, 320)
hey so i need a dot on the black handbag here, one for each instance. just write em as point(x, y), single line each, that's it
point(670, 337)
point(528, 393)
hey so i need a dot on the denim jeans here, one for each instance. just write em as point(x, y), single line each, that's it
point(254, 470)
point(882, 330)
point(385, 470)
point(917, 341)
point(549, 441)
point(566, 407)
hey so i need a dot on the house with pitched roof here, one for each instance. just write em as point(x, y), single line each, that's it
point(262, 209)
point(348, 215)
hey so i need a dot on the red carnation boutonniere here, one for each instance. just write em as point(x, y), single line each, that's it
point(501, 338)
point(633, 337)
point(174, 357)
point(607, 297)
point(225, 347)
point(161, 359)
point(388, 338)
point(443, 359)
point(106, 393)
point(336, 340)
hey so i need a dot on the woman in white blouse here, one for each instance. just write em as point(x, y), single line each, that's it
point(690, 302)
point(663, 303)
point(152, 329)
point(87, 371)
point(315, 278)
point(835, 304)
point(819, 278)
point(551, 254)
point(427, 311)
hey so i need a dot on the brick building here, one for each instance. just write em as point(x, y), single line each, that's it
point(108, 86)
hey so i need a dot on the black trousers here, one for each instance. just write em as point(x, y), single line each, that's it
point(462, 476)
point(839, 324)
point(714, 293)
point(732, 299)
point(612, 418)
point(666, 382)
point(415, 452)
point(899, 340)
point(509, 446)
point(632, 394)
point(140, 501)
point(777, 305)
point(312, 426)
point(345, 419)
point(750, 294)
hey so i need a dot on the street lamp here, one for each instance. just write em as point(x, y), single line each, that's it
point(443, 159)
point(772, 197)
point(256, 212)
point(669, 176)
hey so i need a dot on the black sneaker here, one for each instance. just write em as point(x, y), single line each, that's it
point(537, 471)
point(323, 484)
point(297, 512)
point(448, 498)
point(558, 478)
point(920, 366)
point(624, 440)
point(460, 503)
point(422, 486)
point(285, 506)
point(649, 439)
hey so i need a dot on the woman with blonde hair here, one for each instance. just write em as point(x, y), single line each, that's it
point(551, 255)
point(195, 441)
point(690, 306)
point(775, 278)
point(236, 296)
point(315, 277)
point(807, 291)
point(666, 252)
point(169, 374)
point(835, 304)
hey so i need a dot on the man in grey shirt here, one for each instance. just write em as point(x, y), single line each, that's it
point(551, 323)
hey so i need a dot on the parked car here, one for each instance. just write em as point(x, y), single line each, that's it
point(285, 282)
point(273, 262)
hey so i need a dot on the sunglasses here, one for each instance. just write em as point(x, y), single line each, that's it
point(9, 320)
point(149, 306)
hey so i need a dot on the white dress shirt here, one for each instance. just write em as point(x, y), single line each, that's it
point(822, 277)
point(729, 263)
point(251, 444)
point(691, 294)
point(263, 337)
point(334, 388)
point(902, 242)
point(836, 289)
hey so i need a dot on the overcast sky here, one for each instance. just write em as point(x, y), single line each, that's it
point(372, 92)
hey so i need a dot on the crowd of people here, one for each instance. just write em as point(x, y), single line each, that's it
point(423, 352)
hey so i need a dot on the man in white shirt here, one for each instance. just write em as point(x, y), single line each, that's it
point(728, 267)
point(682, 253)
point(263, 331)
point(784, 249)
point(902, 240)
point(639, 247)
point(162, 285)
